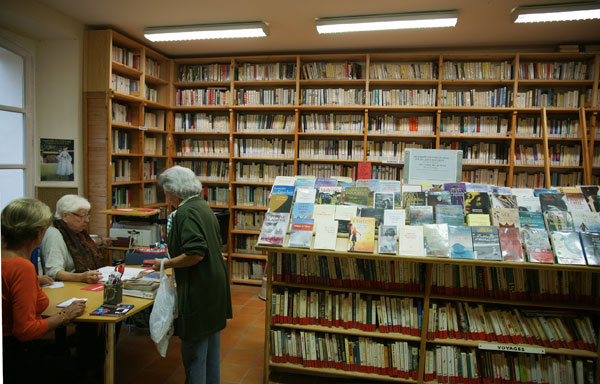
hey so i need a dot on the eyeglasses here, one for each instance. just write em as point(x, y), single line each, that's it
point(82, 217)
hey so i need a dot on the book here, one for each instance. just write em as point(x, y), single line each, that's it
point(410, 241)
point(594, 203)
point(589, 191)
point(591, 247)
point(329, 195)
point(419, 215)
point(482, 188)
point(301, 233)
point(357, 196)
point(486, 243)
point(305, 195)
point(504, 201)
point(558, 221)
point(576, 202)
point(413, 199)
point(530, 219)
point(274, 228)
point(505, 217)
point(537, 246)
point(343, 214)
point(326, 235)
point(478, 219)
point(364, 170)
point(449, 214)
point(362, 234)
point(435, 198)
point(284, 180)
point(142, 294)
point(116, 310)
point(477, 202)
point(392, 186)
point(460, 241)
point(586, 221)
point(325, 182)
point(281, 199)
point(383, 200)
point(305, 181)
point(395, 217)
point(303, 210)
point(457, 192)
point(553, 202)
point(529, 203)
point(323, 212)
point(510, 244)
point(435, 240)
point(538, 191)
point(376, 213)
point(388, 239)
point(371, 184)
point(567, 248)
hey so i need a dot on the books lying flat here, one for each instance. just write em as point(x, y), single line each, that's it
point(460, 241)
point(537, 246)
point(410, 241)
point(591, 247)
point(301, 233)
point(274, 228)
point(435, 237)
point(529, 219)
point(117, 310)
point(567, 248)
point(486, 243)
point(449, 214)
point(510, 244)
point(362, 234)
point(388, 239)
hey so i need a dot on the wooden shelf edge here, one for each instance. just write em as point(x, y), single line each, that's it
point(248, 256)
point(367, 291)
point(543, 304)
point(298, 368)
point(350, 331)
point(246, 281)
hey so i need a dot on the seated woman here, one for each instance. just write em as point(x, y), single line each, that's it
point(26, 358)
point(68, 250)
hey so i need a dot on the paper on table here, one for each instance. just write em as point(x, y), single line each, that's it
point(57, 284)
point(66, 303)
point(130, 272)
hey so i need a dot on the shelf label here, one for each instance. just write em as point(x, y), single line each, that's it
point(512, 348)
point(393, 161)
point(143, 128)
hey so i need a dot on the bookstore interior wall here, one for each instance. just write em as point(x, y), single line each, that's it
point(521, 119)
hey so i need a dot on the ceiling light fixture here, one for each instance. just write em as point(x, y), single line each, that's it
point(412, 20)
point(556, 12)
point(207, 31)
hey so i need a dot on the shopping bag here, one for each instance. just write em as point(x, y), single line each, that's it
point(164, 311)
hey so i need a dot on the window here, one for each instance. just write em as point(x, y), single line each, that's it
point(15, 122)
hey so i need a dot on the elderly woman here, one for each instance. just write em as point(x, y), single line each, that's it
point(203, 297)
point(26, 358)
point(69, 252)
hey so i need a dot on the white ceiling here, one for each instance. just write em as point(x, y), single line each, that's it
point(484, 23)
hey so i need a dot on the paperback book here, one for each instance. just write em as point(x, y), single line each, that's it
point(303, 210)
point(537, 246)
point(510, 244)
point(343, 214)
point(529, 219)
point(539, 191)
point(362, 234)
point(529, 203)
point(477, 202)
point(395, 217)
point(461, 242)
point(589, 192)
point(329, 195)
point(486, 243)
point(410, 241)
point(435, 198)
point(483, 188)
point(356, 196)
point(305, 181)
point(376, 213)
point(284, 180)
point(420, 215)
point(586, 221)
point(110, 310)
point(301, 233)
point(576, 202)
point(591, 247)
point(383, 200)
point(478, 219)
point(281, 199)
point(388, 239)
point(392, 186)
point(457, 192)
point(558, 221)
point(506, 217)
point(323, 212)
point(504, 201)
point(567, 248)
point(412, 199)
point(274, 228)
point(325, 182)
point(372, 184)
point(435, 238)
point(326, 235)
point(553, 202)
point(449, 214)
point(594, 203)
point(305, 195)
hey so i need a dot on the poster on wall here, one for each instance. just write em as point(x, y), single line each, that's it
point(57, 157)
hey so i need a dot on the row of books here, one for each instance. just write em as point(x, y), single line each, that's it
point(152, 67)
point(265, 122)
point(451, 364)
point(152, 169)
point(121, 141)
point(124, 85)
point(153, 145)
point(332, 149)
point(565, 155)
point(456, 125)
point(204, 72)
point(196, 147)
point(387, 172)
point(121, 197)
point(207, 170)
point(246, 244)
point(343, 352)
point(473, 70)
point(532, 127)
point(249, 196)
point(248, 220)
point(265, 71)
point(331, 71)
point(528, 180)
point(332, 122)
point(364, 312)
point(556, 329)
point(399, 125)
point(327, 170)
point(267, 148)
point(480, 153)
point(391, 151)
point(551, 98)
point(571, 70)
point(333, 96)
point(121, 170)
point(499, 97)
point(150, 194)
point(216, 195)
point(126, 57)
point(204, 96)
point(492, 177)
point(529, 154)
point(201, 122)
point(121, 114)
point(261, 172)
point(570, 179)
point(403, 97)
point(403, 71)
point(277, 96)
point(247, 270)
point(151, 94)
point(154, 119)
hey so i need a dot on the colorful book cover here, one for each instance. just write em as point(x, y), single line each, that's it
point(461, 242)
point(567, 248)
point(435, 237)
point(388, 239)
point(594, 203)
point(343, 214)
point(274, 228)
point(449, 214)
point(305, 195)
point(326, 235)
point(457, 191)
point(537, 246)
point(558, 221)
point(329, 195)
point(325, 182)
point(586, 221)
point(529, 203)
point(591, 247)
point(486, 243)
point(362, 234)
point(504, 201)
point(376, 213)
point(398, 200)
point(482, 188)
point(539, 191)
point(414, 199)
point(364, 170)
point(392, 186)
point(477, 202)
point(372, 184)
point(410, 241)
point(111, 310)
point(395, 217)
point(303, 210)
point(357, 196)
point(301, 233)
point(281, 199)
point(506, 217)
point(420, 215)
point(510, 244)
point(305, 181)
point(435, 198)
point(478, 219)
point(529, 220)
point(383, 200)
point(577, 202)
point(553, 202)
point(589, 191)
point(432, 187)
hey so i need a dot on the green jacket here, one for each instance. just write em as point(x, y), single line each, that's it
point(203, 297)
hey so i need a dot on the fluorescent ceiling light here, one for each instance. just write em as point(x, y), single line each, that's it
point(435, 19)
point(556, 12)
point(207, 31)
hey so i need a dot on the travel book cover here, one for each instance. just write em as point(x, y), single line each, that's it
point(486, 243)
point(383, 200)
point(558, 221)
point(477, 202)
point(388, 239)
point(537, 246)
point(553, 202)
point(461, 242)
point(371, 184)
point(586, 221)
point(529, 219)
point(457, 192)
point(506, 217)
point(410, 199)
point(449, 214)
point(410, 241)
point(539, 191)
point(395, 217)
point(281, 199)
point(274, 228)
point(303, 210)
point(329, 195)
point(362, 234)
point(305, 181)
point(591, 247)
point(420, 215)
point(478, 219)
point(435, 237)
point(567, 248)
point(301, 233)
point(326, 235)
point(510, 244)
point(529, 203)
point(357, 196)
point(116, 310)
point(392, 186)
point(504, 201)
point(376, 213)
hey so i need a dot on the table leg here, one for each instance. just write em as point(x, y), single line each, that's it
point(109, 355)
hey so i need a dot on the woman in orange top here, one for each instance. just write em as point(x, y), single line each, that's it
point(26, 358)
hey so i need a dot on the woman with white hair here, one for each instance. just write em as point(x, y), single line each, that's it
point(68, 250)
point(203, 297)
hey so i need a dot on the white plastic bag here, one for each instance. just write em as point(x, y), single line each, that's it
point(163, 312)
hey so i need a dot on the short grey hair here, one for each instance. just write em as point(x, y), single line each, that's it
point(180, 181)
point(70, 204)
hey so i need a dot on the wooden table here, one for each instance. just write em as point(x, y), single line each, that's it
point(95, 299)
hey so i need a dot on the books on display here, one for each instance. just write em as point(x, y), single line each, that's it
point(395, 217)
point(558, 221)
point(305, 195)
point(460, 241)
point(537, 246)
point(486, 243)
point(326, 235)
point(301, 232)
point(329, 195)
point(435, 198)
point(529, 219)
point(376, 213)
point(419, 215)
point(411, 199)
point(343, 214)
point(586, 221)
point(505, 217)
point(323, 212)
point(274, 228)
point(449, 214)
point(529, 203)
point(457, 191)
point(357, 196)
point(510, 244)
point(435, 237)
point(477, 202)
point(567, 248)
point(383, 200)
point(475, 219)
point(281, 199)
point(553, 202)
point(388, 239)
point(362, 234)
point(410, 241)
point(504, 201)
point(591, 247)
point(303, 210)
point(577, 202)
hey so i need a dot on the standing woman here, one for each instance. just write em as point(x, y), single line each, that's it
point(26, 358)
point(203, 297)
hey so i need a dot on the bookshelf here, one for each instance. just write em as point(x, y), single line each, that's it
point(407, 286)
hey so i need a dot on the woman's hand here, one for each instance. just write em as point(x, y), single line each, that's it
point(74, 310)
point(91, 277)
point(45, 280)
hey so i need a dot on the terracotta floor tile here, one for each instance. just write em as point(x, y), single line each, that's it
point(242, 320)
point(228, 342)
point(233, 372)
point(241, 357)
point(250, 311)
point(245, 343)
point(224, 352)
point(178, 378)
point(254, 376)
point(256, 302)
